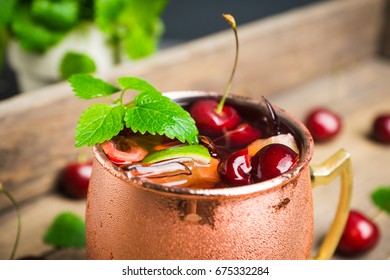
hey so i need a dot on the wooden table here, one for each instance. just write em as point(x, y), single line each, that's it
point(327, 53)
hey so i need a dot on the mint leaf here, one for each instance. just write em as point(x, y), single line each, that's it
point(381, 198)
point(32, 35)
point(59, 14)
point(155, 113)
point(67, 230)
point(146, 42)
point(136, 84)
point(136, 23)
point(75, 63)
point(107, 13)
point(7, 10)
point(150, 112)
point(100, 122)
point(87, 87)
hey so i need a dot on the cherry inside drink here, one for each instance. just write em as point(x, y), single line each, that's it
point(257, 145)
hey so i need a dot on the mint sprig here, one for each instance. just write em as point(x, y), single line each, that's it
point(74, 62)
point(66, 231)
point(150, 111)
point(381, 198)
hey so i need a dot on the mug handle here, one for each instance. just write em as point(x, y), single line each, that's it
point(339, 164)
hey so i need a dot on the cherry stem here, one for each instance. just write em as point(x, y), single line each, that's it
point(230, 19)
point(15, 204)
point(274, 117)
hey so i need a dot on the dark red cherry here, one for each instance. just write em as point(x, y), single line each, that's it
point(242, 136)
point(235, 169)
point(360, 235)
point(271, 161)
point(323, 124)
point(381, 128)
point(74, 179)
point(209, 122)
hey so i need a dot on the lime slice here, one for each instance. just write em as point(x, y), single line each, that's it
point(197, 152)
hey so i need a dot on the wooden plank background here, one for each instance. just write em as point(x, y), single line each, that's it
point(324, 53)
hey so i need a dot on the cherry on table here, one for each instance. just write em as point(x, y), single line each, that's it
point(74, 179)
point(211, 123)
point(271, 161)
point(323, 124)
point(360, 235)
point(381, 128)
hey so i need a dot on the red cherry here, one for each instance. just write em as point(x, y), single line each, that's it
point(271, 161)
point(121, 150)
point(360, 235)
point(323, 124)
point(234, 170)
point(241, 136)
point(209, 122)
point(381, 128)
point(75, 178)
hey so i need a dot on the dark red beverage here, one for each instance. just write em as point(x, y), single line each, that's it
point(228, 158)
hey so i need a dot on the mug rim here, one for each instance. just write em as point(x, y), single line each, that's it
point(306, 144)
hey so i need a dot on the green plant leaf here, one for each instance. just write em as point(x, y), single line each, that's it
point(66, 231)
point(155, 113)
point(100, 122)
point(137, 84)
point(7, 10)
point(58, 15)
point(107, 13)
point(87, 87)
point(76, 63)
point(150, 111)
point(31, 35)
point(381, 198)
point(136, 24)
point(139, 43)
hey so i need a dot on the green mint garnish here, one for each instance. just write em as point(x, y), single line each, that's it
point(66, 231)
point(74, 63)
point(381, 198)
point(150, 111)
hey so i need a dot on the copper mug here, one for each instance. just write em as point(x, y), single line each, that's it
point(128, 218)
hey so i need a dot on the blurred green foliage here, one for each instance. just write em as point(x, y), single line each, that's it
point(131, 25)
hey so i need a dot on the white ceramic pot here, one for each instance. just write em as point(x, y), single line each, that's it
point(36, 70)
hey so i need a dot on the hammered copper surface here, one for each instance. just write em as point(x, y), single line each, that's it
point(129, 220)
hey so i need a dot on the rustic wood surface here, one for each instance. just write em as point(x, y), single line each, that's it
point(322, 54)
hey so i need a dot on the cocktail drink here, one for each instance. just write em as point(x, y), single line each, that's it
point(178, 208)
point(201, 175)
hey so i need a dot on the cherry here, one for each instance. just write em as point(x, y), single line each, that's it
point(381, 128)
point(360, 234)
point(240, 137)
point(213, 118)
point(235, 169)
point(323, 124)
point(74, 179)
point(121, 150)
point(211, 123)
point(271, 161)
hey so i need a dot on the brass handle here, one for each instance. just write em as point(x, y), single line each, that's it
point(338, 164)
